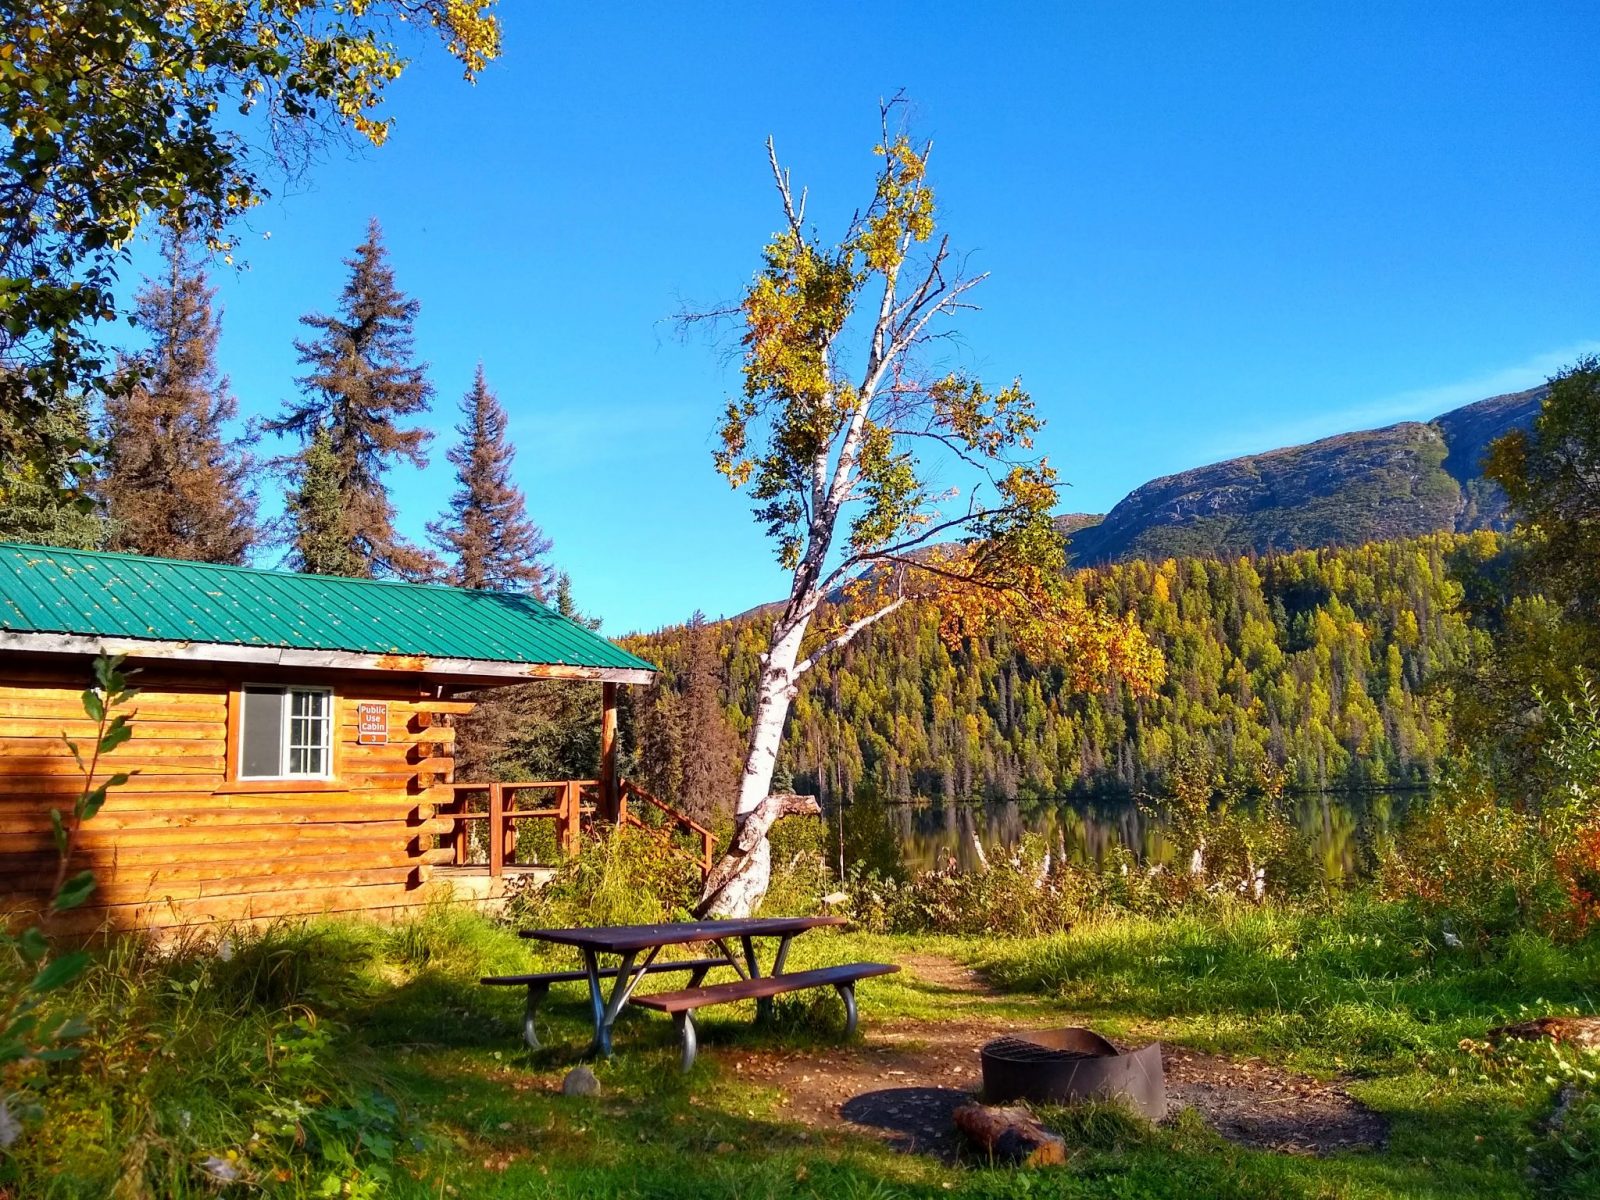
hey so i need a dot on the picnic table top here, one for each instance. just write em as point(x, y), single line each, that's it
point(623, 939)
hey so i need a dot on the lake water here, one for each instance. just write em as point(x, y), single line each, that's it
point(1343, 826)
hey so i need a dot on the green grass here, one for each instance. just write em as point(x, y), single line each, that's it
point(1361, 987)
point(344, 1058)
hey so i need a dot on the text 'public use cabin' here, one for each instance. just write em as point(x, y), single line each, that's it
point(292, 738)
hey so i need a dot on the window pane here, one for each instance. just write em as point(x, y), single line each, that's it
point(308, 704)
point(262, 733)
point(310, 732)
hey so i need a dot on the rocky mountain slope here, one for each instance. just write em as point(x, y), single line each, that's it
point(1401, 481)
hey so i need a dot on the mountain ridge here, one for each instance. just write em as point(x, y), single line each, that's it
point(1397, 481)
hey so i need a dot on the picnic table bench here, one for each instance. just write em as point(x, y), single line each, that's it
point(538, 984)
point(627, 942)
point(682, 1005)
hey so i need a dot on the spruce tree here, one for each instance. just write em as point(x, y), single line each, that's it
point(567, 606)
point(315, 513)
point(546, 729)
point(362, 382)
point(44, 462)
point(688, 750)
point(487, 531)
point(173, 484)
point(657, 728)
point(711, 773)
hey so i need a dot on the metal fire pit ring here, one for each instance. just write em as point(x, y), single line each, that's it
point(1067, 1066)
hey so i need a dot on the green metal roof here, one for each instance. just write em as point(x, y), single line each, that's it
point(45, 590)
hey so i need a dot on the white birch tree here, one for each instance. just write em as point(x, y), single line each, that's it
point(841, 452)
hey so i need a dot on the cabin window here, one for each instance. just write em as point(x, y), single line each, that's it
point(286, 733)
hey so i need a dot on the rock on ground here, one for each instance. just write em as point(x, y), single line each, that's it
point(580, 1081)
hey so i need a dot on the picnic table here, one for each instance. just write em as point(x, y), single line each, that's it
point(627, 943)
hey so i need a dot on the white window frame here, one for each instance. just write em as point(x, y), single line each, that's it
point(284, 732)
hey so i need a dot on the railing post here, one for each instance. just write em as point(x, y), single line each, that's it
point(609, 798)
point(463, 843)
point(571, 817)
point(497, 849)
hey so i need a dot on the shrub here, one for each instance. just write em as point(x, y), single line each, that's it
point(1577, 868)
point(217, 1060)
point(628, 876)
point(1231, 834)
point(1236, 849)
point(33, 1033)
point(1489, 867)
point(1024, 891)
point(1474, 863)
point(800, 872)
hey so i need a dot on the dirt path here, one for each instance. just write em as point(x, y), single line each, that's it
point(904, 1081)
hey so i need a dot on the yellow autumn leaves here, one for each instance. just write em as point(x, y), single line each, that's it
point(815, 448)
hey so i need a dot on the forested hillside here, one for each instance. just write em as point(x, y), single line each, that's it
point(1316, 660)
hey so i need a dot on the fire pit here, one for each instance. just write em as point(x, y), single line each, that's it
point(1063, 1066)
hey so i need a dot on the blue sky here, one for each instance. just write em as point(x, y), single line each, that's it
point(1211, 229)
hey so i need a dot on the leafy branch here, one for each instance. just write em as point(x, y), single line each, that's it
point(31, 972)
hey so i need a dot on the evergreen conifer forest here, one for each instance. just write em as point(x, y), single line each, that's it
point(1332, 666)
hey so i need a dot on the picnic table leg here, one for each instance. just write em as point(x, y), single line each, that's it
point(536, 994)
point(597, 1005)
point(605, 1011)
point(783, 954)
point(764, 1004)
point(732, 960)
point(847, 993)
point(685, 1023)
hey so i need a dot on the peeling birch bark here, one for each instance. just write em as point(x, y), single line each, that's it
point(739, 880)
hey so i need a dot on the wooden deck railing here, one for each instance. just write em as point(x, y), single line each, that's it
point(574, 799)
point(575, 807)
point(685, 824)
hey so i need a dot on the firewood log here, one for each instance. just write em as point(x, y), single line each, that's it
point(1011, 1135)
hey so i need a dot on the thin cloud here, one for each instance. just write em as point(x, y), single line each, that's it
point(1420, 404)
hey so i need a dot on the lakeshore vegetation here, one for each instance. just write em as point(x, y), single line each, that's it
point(352, 1059)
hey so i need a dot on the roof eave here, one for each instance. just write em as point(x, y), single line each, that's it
point(453, 669)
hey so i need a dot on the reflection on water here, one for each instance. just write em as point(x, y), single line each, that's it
point(1343, 826)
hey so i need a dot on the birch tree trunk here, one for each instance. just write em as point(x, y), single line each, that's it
point(735, 889)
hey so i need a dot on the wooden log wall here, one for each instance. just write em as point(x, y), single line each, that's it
point(183, 842)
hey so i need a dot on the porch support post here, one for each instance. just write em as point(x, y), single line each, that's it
point(609, 797)
point(497, 823)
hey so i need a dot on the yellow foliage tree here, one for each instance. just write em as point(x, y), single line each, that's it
point(840, 455)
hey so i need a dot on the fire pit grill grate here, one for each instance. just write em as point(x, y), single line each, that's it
point(1021, 1050)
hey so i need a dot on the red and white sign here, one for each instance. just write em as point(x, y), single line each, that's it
point(372, 724)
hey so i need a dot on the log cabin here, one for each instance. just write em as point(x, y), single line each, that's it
point(292, 736)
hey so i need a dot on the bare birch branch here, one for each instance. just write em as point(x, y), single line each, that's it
point(844, 637)
point(781, 178)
